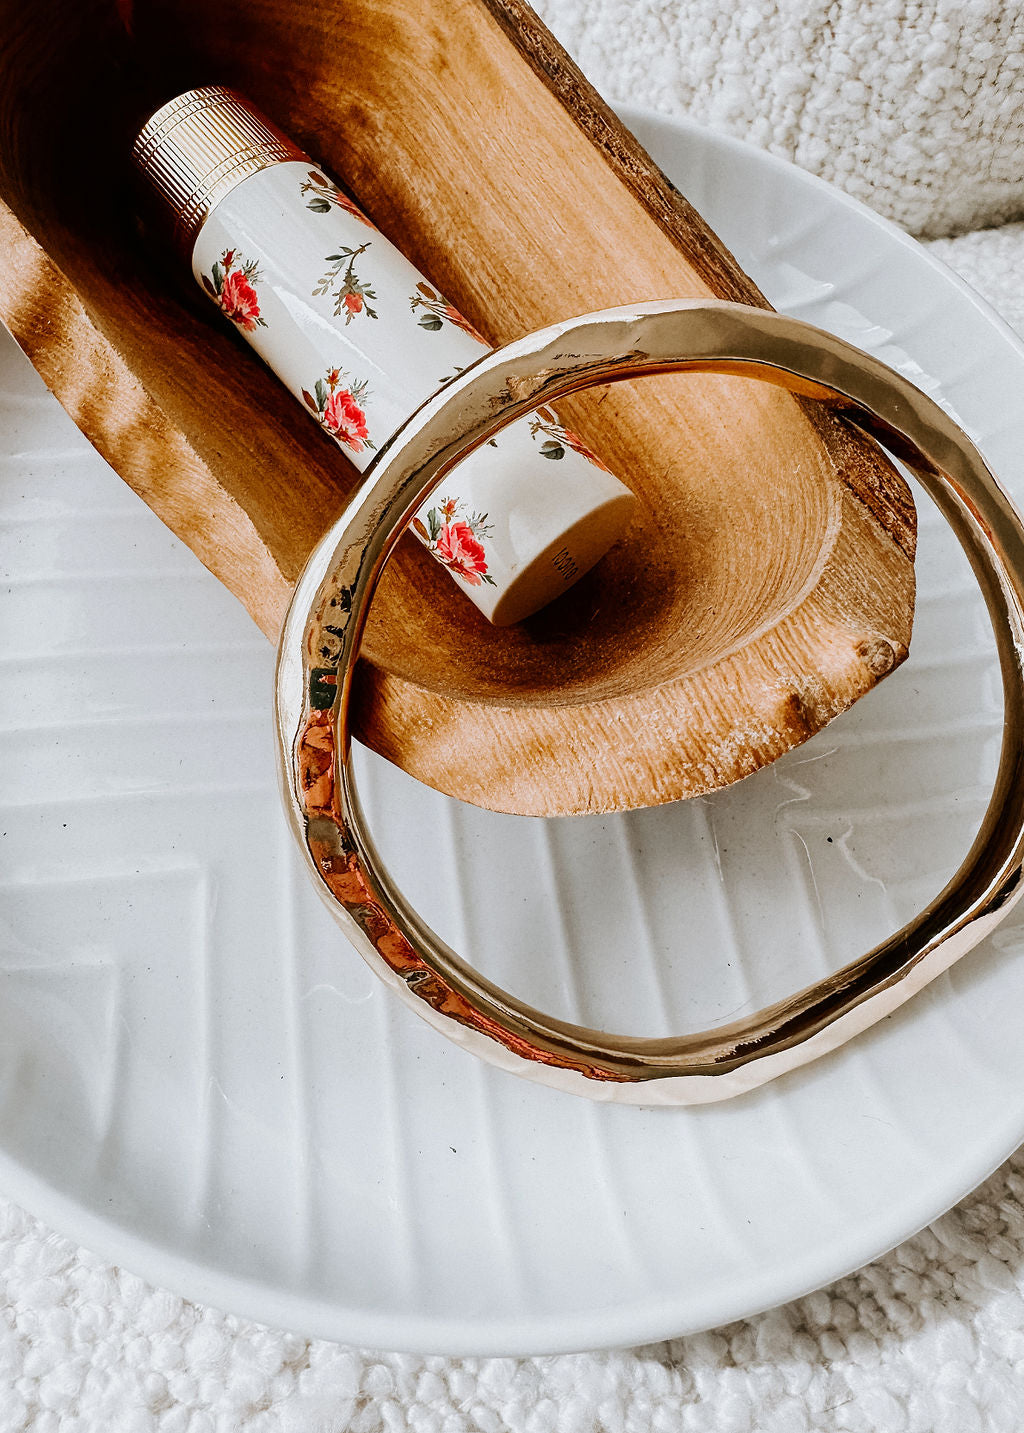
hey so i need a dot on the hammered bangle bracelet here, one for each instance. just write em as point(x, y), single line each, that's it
point(322, 634)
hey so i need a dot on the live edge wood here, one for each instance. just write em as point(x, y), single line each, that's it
point(768, 581)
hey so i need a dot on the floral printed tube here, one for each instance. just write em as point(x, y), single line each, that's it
point(361, 338)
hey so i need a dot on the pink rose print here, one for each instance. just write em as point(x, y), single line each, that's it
point(238, 300)
point(345, 420)
point(457, 541)
point(338, 407)
point(458, 549)
point(232, 289)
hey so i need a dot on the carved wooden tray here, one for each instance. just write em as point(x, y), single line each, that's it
point(767, 582)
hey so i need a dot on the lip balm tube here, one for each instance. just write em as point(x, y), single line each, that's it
point(361, 338)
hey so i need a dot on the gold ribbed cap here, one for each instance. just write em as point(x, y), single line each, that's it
point(196, 148)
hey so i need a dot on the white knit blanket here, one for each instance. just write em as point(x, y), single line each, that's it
point(919, 110)
point(915, 108)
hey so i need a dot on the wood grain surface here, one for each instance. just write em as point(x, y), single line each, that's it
point(767, 581)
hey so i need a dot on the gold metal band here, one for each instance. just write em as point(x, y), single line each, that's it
point(323, 630)
point(197, 147)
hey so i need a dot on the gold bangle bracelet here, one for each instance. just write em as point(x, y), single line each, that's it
point(320, 644)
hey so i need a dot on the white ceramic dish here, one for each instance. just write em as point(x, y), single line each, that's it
point(200, 1081)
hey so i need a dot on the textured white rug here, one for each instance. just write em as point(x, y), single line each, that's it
point(911, 107)
point(915, 108)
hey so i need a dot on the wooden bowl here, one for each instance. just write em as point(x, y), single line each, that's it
point(768, 580)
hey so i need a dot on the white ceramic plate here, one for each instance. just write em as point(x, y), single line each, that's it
point(199, 1080)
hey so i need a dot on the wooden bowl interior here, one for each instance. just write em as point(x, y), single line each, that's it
point(702, 570)
point(712, 558)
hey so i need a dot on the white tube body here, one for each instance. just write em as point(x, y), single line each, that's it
point(361, 339)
